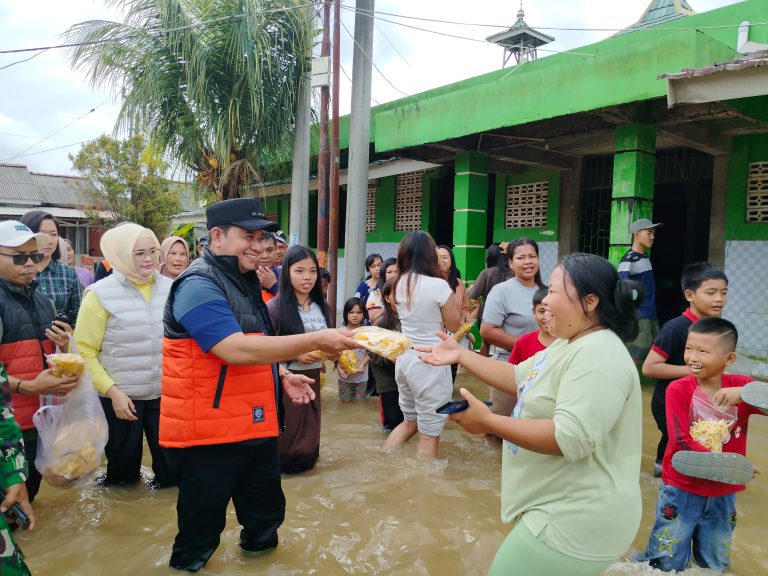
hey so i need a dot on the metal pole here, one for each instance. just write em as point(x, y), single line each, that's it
point(359, 143)
point(333, 213)
point(324, 156)
point(299, 223)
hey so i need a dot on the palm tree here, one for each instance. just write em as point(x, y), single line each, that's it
point(212, 84)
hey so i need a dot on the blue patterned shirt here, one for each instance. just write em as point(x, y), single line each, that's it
point(60, 283)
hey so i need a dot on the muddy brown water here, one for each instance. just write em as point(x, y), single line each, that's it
point(358, 512)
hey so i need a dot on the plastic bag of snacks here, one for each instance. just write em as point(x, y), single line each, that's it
point(710, 424)
point(72, 435)
point(348, 361)
point(386, 343)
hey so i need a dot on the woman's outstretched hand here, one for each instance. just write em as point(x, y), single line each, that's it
point(443, 353)
point(476, 418)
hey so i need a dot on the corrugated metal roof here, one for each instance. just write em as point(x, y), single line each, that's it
point(55, 211)
point(17, 185)
point(660, 11)
point(741, 64)
point(63, 190)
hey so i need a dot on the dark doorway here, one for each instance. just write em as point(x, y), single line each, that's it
point(442, 195)
point(682, 201)
point(595, 205)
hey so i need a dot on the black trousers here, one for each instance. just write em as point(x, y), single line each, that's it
point(30, 453)
point(126, 444)
point(391, 415)
point(211, 476)
point(659, 411)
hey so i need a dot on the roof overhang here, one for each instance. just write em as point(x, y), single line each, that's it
point(739, 79)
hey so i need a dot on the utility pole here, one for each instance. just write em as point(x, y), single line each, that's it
point(359, 143)
point(333, 212)
point(299, 224)
point(324, 156)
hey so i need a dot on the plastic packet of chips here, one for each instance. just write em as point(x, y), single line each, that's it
point(66, 364)
point(386, 343)
point(348, 361)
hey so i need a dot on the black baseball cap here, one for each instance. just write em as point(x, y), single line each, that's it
point(243, 212)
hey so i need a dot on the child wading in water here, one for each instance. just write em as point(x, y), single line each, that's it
point(696, 508)
point(352, 386)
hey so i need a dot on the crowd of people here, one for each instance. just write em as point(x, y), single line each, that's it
point(215, 363)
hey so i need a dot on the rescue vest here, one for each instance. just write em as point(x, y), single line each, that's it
point(25, 314)
point(205, 400)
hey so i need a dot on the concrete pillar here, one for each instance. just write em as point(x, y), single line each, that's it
point(359, 144)
point(717, 221)
point(568, 221)
point(470, 216)
point(634, 169)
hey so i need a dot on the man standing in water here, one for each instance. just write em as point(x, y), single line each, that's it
point(219, 409)
point(636, 265)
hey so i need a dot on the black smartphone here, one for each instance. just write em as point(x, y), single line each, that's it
point(63, 317)
point(16, 512)
point(455, 406)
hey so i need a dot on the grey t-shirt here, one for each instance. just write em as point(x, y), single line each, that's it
point(510, 305)
point(313, 321)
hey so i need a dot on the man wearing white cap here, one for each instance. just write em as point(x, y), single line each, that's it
point(636, 265)
point(27, 333)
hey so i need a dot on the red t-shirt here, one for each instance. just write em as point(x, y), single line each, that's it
point(679, 396)
point(525, 346)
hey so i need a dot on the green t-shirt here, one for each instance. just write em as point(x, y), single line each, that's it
point(586, 503)
point(13, 466)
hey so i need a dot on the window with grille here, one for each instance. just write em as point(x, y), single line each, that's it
point(757, 192)
point(408, 201)
point(527, 205)
point(370, 214)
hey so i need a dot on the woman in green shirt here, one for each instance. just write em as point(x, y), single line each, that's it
point(572, 447)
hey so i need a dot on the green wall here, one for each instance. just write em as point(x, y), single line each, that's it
point(546, 234)
point(746, 149)
point(385, 212)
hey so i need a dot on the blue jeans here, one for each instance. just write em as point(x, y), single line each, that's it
point(686, 522)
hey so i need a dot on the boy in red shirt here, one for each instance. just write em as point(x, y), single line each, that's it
point(528, 344)
point(695, 513)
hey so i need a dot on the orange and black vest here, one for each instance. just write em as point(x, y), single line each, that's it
point(204, 400)
point(25, 314)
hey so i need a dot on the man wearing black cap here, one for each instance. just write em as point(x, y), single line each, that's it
point(219, 408)
point(636, 265)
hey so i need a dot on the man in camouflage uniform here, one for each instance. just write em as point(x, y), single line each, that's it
point(13, 474)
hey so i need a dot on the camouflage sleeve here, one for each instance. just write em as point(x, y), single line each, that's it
point(13, 465)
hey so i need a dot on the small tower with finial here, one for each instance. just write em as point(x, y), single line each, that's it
point(520, 41)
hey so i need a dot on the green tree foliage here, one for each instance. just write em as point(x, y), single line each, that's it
point(212, 84)
point(129, 183)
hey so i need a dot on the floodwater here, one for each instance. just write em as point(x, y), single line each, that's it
point(358, 512)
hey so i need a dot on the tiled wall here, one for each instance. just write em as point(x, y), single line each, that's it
point(746, 264)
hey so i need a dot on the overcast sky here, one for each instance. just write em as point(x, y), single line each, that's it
point(43, 95)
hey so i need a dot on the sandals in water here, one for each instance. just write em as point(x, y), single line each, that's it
point(725, 467)
point(756, 394)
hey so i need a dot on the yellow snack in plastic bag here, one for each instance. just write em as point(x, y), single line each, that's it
point(711, 433)
point(348, 361)
point(66, 365)
point(386, 343)
point(463, 330)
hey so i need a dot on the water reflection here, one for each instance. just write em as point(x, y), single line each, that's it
point(358, 512)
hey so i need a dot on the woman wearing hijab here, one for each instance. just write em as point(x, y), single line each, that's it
point(174, 256)
point(120, 335)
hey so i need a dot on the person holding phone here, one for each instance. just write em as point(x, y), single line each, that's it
point(572, 446)
point(28, 331)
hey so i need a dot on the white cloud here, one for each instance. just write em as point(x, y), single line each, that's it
point(43, 95)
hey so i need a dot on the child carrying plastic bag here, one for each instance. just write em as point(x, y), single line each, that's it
point(72, 436)
point(710, 424)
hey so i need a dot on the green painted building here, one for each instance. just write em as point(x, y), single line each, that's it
point(569, 149)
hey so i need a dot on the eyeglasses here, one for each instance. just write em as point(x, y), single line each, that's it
point(21, 259)
point(144, 254)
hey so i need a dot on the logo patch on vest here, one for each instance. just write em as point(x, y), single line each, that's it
point(258, 415)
